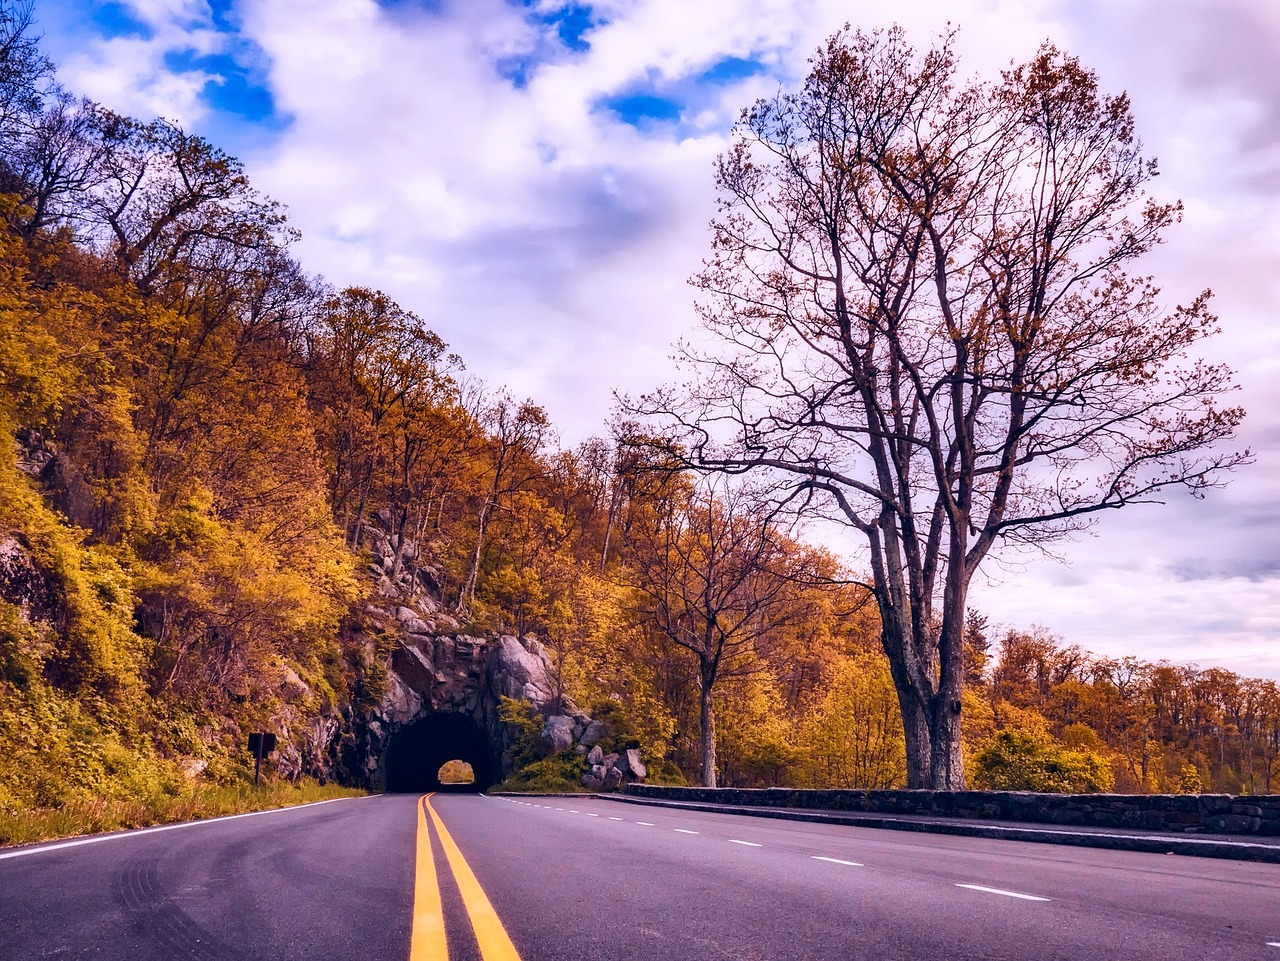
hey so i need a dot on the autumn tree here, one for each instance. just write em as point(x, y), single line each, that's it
point(516, 433)
point(932, 333)
point(854, 738)
point(714, 571)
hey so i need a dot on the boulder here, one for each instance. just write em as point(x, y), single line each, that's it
point(596, 756)
point(611, 760)
point(594, 732)
point(413, 666)
point(591, 782)
point(292, 686)
point(631, 764)
point(557, 733)
point(401, 704)
point(25, 584)
point(411, 622)
point(514, 671)
point(612, 778)
point(192, 767)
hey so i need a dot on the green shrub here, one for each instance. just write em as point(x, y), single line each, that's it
point(558, 774)
point(524, 730)
point(1016, 760)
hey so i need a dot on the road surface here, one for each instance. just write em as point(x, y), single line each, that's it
point(473, 878)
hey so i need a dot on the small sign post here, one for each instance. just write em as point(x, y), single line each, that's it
point(260, 744)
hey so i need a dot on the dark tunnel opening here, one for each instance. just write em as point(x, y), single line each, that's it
point(416, 753)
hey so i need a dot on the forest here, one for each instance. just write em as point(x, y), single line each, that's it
point(196, 432)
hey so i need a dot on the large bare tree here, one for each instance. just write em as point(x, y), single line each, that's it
point(930, 331)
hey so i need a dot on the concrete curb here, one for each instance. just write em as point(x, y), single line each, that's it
point(1146, 843)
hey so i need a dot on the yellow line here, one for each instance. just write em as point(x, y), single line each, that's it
point(427, 942)
point(490, 934)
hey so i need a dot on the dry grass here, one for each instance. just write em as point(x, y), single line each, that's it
point(75, 818)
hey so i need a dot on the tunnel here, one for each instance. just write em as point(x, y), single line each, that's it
point(417, 751)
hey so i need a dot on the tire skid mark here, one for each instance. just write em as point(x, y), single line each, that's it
point(153, 915)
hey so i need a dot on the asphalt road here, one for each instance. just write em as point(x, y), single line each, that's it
point(568, 878)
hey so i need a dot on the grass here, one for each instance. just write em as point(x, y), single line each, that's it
point(74, 818)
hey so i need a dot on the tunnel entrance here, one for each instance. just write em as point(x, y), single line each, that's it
point(416, 753)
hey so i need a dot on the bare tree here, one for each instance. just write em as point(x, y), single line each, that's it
point(931, 333)
point(714, 572)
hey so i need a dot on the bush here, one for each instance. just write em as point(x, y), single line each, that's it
point(558, 774)
point(524, 730)
point(1016, 760)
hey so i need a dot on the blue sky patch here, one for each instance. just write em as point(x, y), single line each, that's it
point(222, 18)
point(116, 20)
point(427, 6)
point(640, 109)
point(731, 70)
point(239, 92)
point(571, 23)
point(561, 30)
point(518, 70)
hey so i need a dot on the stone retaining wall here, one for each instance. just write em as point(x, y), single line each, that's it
point(1191, 813)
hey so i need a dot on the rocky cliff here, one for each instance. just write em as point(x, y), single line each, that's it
point(430, 665)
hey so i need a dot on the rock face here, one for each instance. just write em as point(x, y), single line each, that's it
point(435, 668)
point(24, 583)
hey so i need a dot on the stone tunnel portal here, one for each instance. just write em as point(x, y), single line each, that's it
point(416, 752)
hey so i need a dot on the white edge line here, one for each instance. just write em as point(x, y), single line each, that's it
point(750, 844)
point(1007, 894)
point(852, 864)
point(685, 831)
point(98, 838)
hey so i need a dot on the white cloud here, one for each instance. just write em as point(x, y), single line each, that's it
point(129, 73)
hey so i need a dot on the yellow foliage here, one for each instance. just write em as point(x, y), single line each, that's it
point(854, 739)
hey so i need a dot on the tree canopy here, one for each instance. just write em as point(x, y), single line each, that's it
point(930, 330)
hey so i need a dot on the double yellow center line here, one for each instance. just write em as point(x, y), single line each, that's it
point(428, 942)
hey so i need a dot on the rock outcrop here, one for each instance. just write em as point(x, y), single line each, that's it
point(611, 771)
point(27, 585)
point(432, 666)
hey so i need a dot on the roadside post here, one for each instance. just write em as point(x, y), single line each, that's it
point(260, 745)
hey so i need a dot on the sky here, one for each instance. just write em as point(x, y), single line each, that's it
point(534, 179)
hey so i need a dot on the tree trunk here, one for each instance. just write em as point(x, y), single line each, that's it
point(918, 740)
point(946, 760)
point(468, 596)
point(706, 683)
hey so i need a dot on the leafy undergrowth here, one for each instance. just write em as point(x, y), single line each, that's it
point(558, 774)
point(93, 816)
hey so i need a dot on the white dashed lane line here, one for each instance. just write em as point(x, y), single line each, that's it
point(647, 824)
point(1273, 944)
point(590, 815)
point(749, 844)
point(572, 811)
point(851, 864)
point(611, 818)
point(1007, 894)
point(685, 831)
